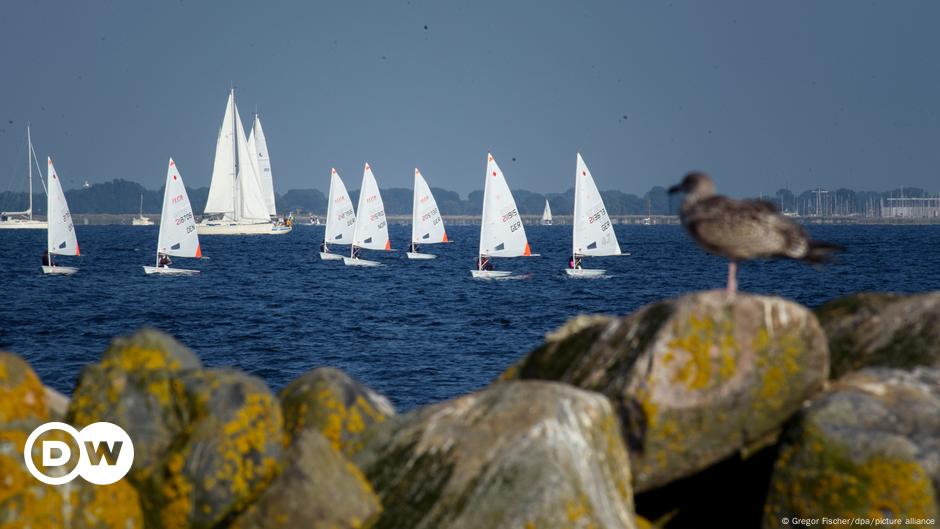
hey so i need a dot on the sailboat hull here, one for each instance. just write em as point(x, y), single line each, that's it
point(59, 270)
point(141, 221)
point(348, 261)
point(490, 274)
point(418, 255)
point(327, 256)
point(23, 225)
point(584, 272)
point(233, 228)
point(165, 270)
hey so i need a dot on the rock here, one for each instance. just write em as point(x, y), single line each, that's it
point(149, 350)
point(694, 379)
point(882, 330)
point(318, 489)
point(515, 455)
point(328, 400)
point(22, 395)
point(58, 403)
point(869, 448)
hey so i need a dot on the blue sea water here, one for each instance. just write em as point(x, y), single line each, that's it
point(417, 331)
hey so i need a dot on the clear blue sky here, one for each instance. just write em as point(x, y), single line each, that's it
point(760, 94)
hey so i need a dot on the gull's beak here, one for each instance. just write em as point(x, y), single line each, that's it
point(675, 189)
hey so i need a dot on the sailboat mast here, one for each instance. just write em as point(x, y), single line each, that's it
point(29, 162)
point(234, 158)
point(486, 189)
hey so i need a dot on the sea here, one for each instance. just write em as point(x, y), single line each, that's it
point(416, 331)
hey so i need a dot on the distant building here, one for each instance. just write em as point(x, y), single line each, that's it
point(911, 208)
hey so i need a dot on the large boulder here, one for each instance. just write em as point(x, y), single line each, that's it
point(868, 448)
point(319, 488)
point(882, 330)
point(516, 455)
point(331, 402)
point(694, 379)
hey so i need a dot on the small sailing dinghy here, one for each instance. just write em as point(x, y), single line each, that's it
point(371, 230)
point(60, 236)
point(547, 214)
point(593, 233)
point(427, 226)
point(340, 218)
point(178, 235)
point(501, 231)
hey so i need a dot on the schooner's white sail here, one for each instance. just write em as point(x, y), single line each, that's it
point(236, 191)
point(340, 217)
point(371, 230)
point(547, 214)
point(60, 237)
point(427, 226)
point(501, 232)
point(593, 233)
point(258, 146)
point(178, 235)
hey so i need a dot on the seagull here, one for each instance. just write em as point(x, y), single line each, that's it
point(741, 230)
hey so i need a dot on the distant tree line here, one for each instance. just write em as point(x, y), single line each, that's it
point(122, 196)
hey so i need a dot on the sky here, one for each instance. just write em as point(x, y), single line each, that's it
point(760, 94)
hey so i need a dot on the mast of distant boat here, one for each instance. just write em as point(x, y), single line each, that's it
point(235, 205)
point(29, 162)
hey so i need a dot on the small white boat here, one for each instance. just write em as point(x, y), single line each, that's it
point(23, 220)
point(547, 214)
point(356, 261)
point(141, 220)
point(501, 231)
point(240, 200)
point(60, 237)
point(371, 231)
point(593, 233)
point(178, 235)
point(340, 218)
point(427, 226)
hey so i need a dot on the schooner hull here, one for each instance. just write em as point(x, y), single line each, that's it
point(232, 228)
point(23, 225)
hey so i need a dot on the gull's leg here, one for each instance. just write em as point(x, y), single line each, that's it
point(732, 277)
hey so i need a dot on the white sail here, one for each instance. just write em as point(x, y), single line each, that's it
point(177, 225)
point(593, 232)
point(252, 207)
point(222, 187)
point(61, 233)
point(547, 213)
point(258, 146)
point(501, 233)
point(340, 216)
point(427, 226)
point(371, 227)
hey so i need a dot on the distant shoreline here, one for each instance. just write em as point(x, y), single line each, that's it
point(559, 220)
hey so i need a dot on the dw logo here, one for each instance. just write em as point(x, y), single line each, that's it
point(105, 453)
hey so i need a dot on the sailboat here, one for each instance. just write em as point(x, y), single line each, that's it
point(427, 226)
point(258, 147)
point(340, 218)
point(547, 215)
point(593, 233)
point(60, 236)
point(23, 220)
point(141, 220)
point(371, 230)
point(236, 203)
point(501, 231)
point(178, 235)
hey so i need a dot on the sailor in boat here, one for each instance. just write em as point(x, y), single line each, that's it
point(483, 263)
point(164, 261)
point(414, 248)
point(574, 263)
point(47, 259)
point(355, 252)
point(324, 248)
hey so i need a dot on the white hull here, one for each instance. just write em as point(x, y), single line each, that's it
point(584, 272)
point(169, 271)
point(327, 256)
point(141, 221)
point(232, 228)
point(349, 261)
point(59, 270)
point(416, 255)
point(23, 225)
point(490, 274)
